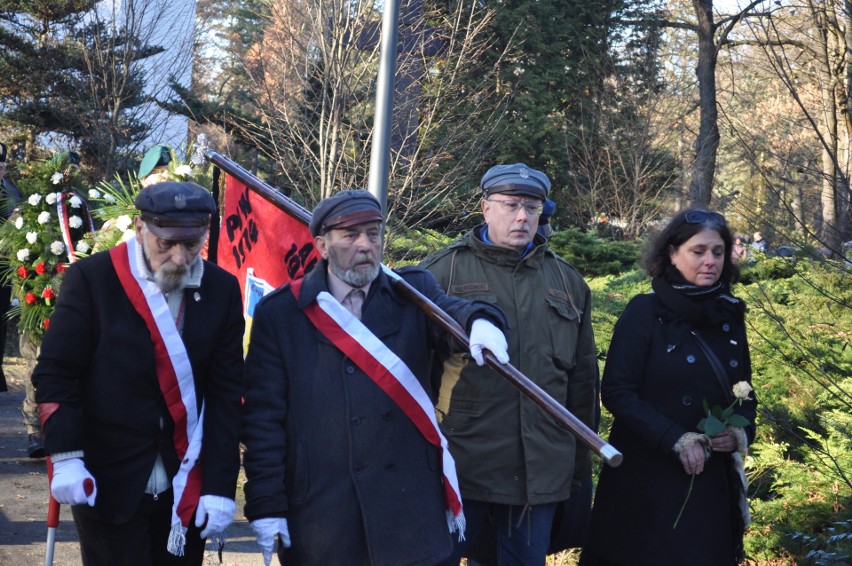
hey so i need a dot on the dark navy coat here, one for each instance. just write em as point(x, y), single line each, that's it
point(330, 450)
point(97, 362)
point(654, 383)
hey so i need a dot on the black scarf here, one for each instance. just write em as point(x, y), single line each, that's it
point(695, 305)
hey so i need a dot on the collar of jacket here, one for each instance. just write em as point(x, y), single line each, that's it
point(379, 308)
point(315, 282)
point(507, 256)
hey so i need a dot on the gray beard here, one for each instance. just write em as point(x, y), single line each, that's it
point(354, 277)
point(169, 277)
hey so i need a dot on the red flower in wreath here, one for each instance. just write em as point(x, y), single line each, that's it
point(22, 272)
point(40, 268)
point(46, 323)
point(48, 294)
point(61, 267)
point(30, 298)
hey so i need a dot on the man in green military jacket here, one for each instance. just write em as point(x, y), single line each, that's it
point(515, 464)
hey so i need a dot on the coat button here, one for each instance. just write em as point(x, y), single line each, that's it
point(690, 359)
point(350, 370)
point(687, 400)
point(387, 416)
point(733, 363)
point(389, 467)
point(355, 421)
point(358, 469)
point(726, 327)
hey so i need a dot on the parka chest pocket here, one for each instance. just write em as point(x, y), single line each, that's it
point(490, 298)
point(563, 321)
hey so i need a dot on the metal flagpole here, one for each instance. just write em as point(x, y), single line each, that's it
point(377, 181)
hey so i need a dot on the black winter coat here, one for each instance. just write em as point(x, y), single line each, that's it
point(327, 448)
point(655, 381)
point(97, 362)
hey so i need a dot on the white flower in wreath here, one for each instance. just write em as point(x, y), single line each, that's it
point(75, 221)
point(51, 198)
point(109, 198)
point(23, 254)
point(82, 247)
point(57, 247)
point(183, 170)
point(94, 193)
point(57, 177)
point(34, 199)
point(75, 202)
point(43, 217)
point(123, 222)
point(32, 237)
point(19, 222)
point(128, 235)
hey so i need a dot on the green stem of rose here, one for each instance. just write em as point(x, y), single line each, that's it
point(682, 507)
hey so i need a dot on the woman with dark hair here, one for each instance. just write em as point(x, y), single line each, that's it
point(676, 355)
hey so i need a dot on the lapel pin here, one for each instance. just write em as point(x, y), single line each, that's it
point(197, 297)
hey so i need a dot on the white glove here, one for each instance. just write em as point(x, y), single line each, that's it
point(72, 484)
point(266, 530)
point(217, 511)
point(483, 334)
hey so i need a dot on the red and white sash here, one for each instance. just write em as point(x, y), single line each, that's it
point(391, 374)
point(174, 373)
point(65, 228)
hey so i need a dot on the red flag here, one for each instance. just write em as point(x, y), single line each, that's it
point(262, 245)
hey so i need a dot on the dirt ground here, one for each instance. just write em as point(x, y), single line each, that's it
point(24, 497)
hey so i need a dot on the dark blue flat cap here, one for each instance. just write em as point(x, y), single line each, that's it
point(345, 209)
point(516, 179)
point(176, 211)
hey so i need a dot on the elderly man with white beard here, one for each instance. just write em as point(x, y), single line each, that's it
point(139, 385)
point(344, 458)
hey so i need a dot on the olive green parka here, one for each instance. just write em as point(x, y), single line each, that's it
point(507, 449)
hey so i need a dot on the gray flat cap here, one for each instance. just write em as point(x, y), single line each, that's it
point(344, 209)
point(517, 179)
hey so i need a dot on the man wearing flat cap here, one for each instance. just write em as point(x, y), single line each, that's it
point(8, 195)
point(154, 165)
point(344, 457)
point(515, 463)
point(139, 382)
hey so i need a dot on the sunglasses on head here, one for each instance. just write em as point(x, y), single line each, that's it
point(702, 216)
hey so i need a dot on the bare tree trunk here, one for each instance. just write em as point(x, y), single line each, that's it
point(707, 142)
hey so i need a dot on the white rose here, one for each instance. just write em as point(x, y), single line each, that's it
point(19, 222)
point(57, 247)
point(109, 198)
point(742, 390)
point(82, 247)
point(43, 217)
point(94, 193)
point(34, 199)
point(50, 198)
point(128, 235)
point(32, 237)
point(123, 222)
point(75, 221)
point(23, 254)
point(57, 178)
point(183, 170)
point(75, 202)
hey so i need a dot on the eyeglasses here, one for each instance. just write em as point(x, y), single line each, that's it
point(512, 206)
point(702, 216)
point(193, 246)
